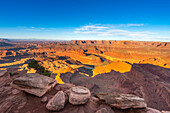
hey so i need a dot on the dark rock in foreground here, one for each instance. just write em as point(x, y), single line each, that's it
point(144, 80)
point(11, 100)
point(16, 101)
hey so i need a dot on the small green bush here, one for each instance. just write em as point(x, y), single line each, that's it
point(33, 64)
point(11, 73)
point(47, 73)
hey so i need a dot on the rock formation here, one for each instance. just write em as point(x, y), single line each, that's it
point(100, 66)
point(34, 83)
point(147, 81)
point(57, 102)
point(18, 101)
point(122, 101)
point(79, 95)
point(12, 100)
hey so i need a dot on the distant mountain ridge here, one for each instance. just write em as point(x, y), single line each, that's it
point(4, 40)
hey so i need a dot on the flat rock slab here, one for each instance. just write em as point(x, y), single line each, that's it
point(123, 101)
point(34, 84)
point(80, 90)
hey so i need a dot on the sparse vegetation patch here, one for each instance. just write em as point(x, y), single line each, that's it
point(40, 69)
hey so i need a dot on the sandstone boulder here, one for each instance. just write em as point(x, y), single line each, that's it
point(151, 110)
point(123, 101)
point(79, 95)
point(34, 84)
point(102, 110)
point(57, 102)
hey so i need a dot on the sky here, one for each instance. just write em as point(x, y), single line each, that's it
point(141, 20)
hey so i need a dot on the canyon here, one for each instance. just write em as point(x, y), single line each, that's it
point(103, 66)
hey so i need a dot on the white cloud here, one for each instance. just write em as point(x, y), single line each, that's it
point(91, 27)
point(132, 25)
point(112, 32)
point(38, 29)
point(135, 25)
point(108, 31)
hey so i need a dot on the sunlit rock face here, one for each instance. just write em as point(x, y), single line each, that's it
point(117, 66)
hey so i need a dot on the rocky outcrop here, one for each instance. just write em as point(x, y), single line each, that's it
point(123, 101)
point(144, 80)
point(57, 102)
point(79, 95)
point(16, 101)
point(120, 43)
point(10, 99)
point(34, 84)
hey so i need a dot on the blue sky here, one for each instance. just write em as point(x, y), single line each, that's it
point(144, 20)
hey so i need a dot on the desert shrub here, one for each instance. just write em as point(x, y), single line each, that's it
point(40, 69)
point(47, 73)
point(11, 73)
point(90, 72)
point(33, 64)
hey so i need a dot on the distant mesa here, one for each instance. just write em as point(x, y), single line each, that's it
point(122, 43)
